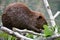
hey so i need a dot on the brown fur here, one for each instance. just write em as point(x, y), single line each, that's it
point(20, 16)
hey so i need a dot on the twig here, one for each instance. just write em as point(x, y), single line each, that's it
point(58, 12)
point(16, 34)
point(27, 31)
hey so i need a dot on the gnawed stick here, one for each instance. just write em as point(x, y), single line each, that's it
point(16, 34)
point(27, 31)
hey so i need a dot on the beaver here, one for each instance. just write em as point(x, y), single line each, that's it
point(20, 16)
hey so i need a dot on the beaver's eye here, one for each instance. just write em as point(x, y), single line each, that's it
point(40, 17)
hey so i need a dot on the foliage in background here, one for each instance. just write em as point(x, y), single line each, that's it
point(29, 35)
point(6, 36)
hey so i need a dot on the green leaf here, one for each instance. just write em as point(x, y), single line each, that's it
point(7, 36)
point(47, 31)
point(29, 35)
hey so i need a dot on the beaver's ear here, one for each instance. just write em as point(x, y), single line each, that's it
point(40, 17)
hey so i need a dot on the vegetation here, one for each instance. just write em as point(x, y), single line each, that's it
point(48, 31)
point(6, 36)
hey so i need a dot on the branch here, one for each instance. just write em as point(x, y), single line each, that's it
point(27, 31)
point(50, 15)
point(49, 12)
point(58, 12)
point(16, 34)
